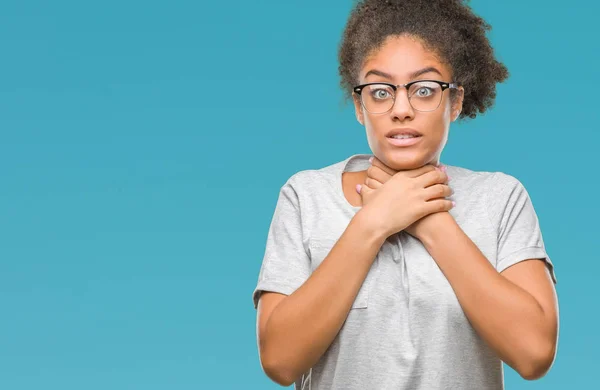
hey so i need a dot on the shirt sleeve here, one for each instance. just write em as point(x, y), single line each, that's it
point(286, 264)
point(518, 228)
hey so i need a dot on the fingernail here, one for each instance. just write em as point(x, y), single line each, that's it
point(371, 159)
point(448, 177)
point(358, 187)
point(453, 203)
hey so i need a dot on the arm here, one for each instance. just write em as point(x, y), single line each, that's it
point(514, 312)
point(302, 325)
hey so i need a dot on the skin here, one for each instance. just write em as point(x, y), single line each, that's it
point(399, 57)
point(516, 311)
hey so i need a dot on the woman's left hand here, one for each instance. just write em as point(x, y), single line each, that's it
point(377, 174)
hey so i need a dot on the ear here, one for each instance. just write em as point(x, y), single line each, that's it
point(358, 109)
point(458, 103)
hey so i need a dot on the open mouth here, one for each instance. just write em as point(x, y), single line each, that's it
point(404, 140)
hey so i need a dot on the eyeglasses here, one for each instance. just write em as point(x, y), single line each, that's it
point(423, 95)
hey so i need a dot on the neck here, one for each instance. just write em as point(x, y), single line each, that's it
point(434, 162)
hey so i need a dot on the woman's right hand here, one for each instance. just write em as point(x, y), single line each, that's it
point(405, 198)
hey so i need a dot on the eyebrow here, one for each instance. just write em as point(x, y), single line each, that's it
point(411, 76)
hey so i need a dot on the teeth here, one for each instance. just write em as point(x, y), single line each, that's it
point(403, 136)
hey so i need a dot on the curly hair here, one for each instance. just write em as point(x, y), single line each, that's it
point(448, 28)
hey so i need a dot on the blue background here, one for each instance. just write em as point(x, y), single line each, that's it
point(143, 145)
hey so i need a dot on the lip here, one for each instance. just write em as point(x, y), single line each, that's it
point(404, 142)
point(405, 130)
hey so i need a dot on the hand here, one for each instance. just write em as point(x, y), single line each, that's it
point(421, 202)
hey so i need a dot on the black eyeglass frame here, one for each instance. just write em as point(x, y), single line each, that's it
point(451, 85)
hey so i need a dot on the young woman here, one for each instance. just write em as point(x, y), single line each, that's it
point(391, 270)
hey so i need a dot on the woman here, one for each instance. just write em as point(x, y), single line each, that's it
point(391, 270)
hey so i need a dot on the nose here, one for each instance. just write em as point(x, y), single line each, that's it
point(402, 110)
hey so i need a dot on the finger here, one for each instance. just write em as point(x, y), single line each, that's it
point(438, 205)
point(378, 174)
point(372, 183)
point(438, 191)
point(433, 176)
point(363, 189)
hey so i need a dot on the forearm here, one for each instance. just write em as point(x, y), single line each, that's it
point(304, 324)
point(506, 316)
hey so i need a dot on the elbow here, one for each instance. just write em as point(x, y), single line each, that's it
point(273, 364)
point(538, 364)
point(278, 373)
point(534, 371)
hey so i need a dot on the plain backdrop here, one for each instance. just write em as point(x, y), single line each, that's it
point(143, 145)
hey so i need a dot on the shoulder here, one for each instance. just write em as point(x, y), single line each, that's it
point(501, 193)
point(469, 180)
point(306, 179)
point(491, 191)
point(488, 181)
point(504, 186)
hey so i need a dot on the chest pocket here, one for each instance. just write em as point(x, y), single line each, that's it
point(320, 248)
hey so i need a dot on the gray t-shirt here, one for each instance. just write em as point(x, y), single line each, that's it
point(406, 328)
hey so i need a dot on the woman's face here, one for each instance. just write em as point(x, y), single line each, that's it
point(395, 62)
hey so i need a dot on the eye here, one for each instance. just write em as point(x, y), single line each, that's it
point(424, 92)
point(380, 93)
